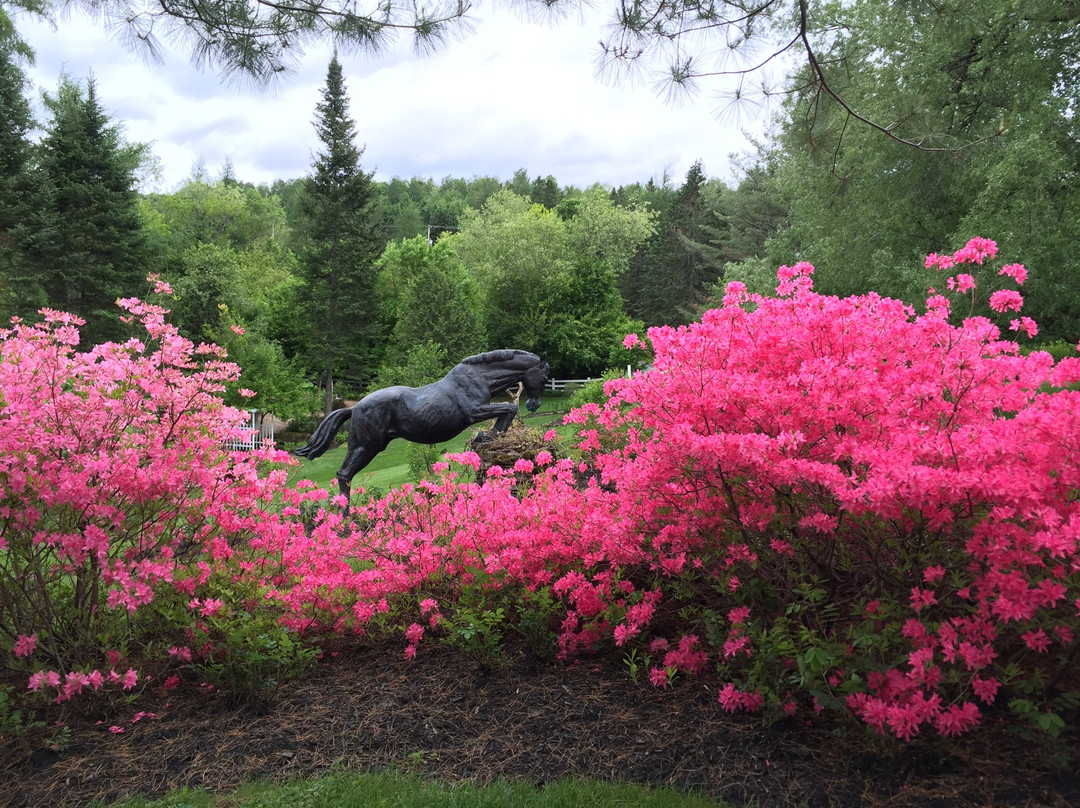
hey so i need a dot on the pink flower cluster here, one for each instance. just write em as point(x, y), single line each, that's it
point(115, 487)
point(977, 251)
point(780, 450)
point(774, 433)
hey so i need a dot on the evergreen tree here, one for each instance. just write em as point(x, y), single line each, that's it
point(15, 125)
point(520, 183)
point(86, 246)
point(679, 265)
point(545, 191)
point(342, 245)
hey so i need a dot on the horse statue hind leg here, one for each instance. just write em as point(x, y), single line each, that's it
point(356, 459)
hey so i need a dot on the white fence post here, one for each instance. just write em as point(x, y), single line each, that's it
point(258, 436)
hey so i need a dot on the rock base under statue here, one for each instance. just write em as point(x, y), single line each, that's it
point(504, 449)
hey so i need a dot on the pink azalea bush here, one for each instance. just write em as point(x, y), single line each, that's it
point(824, 504)
point(830, 504)
point(116, 492)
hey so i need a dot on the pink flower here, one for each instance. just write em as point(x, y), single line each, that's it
point(236, 329)
point(957, 718)
point(414, 633)
point(659, 677)
point(243, 392)
point(115, 730)
point(740, 614)
point(37, 681)
point(160, 286)
point(24, 645)
point(171, 683)
point(961, 283)
point(733, 700)
point(1025, 324)
point(1036, 640)
point(131, 678)
point(782, 547)
point(985, 689)
point(1015, 271)
point(735, 293)
point(734, 646)
point(933, 574)
point(183, 653)
point(1006, 300)
point(630, 340)
point(410, 652)
point(921, 598)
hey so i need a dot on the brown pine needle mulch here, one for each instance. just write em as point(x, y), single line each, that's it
point(449, 716)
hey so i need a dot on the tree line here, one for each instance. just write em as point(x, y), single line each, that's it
point(335, 282)
point(338, 283)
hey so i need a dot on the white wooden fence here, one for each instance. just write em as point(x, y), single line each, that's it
point(259, 434)
point(554, 385)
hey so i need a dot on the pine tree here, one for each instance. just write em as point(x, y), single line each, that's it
point(678, 265)
point(86, 246)
point(342, 245)
point(15, 125)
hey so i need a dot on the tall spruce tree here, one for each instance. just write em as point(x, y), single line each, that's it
point(15, 125)
point(679, 265)
point(85, 246)
point(341, 247)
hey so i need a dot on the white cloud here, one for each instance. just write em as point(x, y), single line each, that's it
point(512, 95)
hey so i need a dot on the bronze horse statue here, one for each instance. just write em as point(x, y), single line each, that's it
point(433, 413)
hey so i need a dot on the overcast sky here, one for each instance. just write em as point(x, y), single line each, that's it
point(513, 94)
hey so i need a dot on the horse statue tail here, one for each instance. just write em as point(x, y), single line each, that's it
point(324, 433)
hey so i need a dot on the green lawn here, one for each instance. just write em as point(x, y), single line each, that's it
point(391, 468)
point(392, 790)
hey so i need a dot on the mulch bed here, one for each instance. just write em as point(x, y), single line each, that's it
point(449, 716)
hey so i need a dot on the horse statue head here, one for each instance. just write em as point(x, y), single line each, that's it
point(533, 380)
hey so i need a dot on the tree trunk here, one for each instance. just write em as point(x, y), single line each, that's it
point(328, 400)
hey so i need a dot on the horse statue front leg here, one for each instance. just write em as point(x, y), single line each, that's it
point(504, 415)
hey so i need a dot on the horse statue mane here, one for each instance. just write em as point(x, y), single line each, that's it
point(500, 355)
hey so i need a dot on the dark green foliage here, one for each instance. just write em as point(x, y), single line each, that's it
point(16, 122)
point(342, 243)
point(84, 245)
point(545, 191)
point(587, 322)
point(208, 277)
point(679, 263)
point(519, 183)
